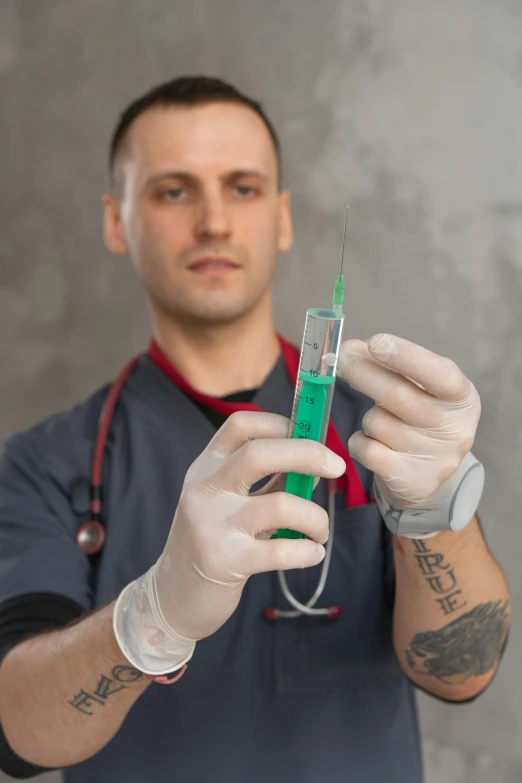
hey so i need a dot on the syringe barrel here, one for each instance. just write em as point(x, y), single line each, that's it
point(314, 391)
point(317, 371)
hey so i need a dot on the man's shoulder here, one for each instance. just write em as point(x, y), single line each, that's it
point(60, 432)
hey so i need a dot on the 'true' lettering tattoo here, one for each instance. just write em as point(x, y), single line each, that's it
point(84, 701)
point(439, 576)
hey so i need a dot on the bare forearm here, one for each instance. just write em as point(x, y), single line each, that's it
point(63, 695)
point(451, 614)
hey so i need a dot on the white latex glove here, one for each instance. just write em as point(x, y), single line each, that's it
point(423, 424)
point(220, 536)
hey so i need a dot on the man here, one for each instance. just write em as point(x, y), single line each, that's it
point(196, 202)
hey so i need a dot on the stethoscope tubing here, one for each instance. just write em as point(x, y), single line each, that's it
point(332, 611)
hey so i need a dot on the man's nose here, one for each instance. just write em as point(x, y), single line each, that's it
point(212, 220)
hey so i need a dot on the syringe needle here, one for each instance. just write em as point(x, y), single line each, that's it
point(344, 239)
point(338, 297)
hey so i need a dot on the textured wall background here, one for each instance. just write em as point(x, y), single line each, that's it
point(407, 109)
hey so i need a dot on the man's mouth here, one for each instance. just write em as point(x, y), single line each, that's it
point(213, 265)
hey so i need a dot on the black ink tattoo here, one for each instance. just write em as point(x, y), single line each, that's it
point(104, 690)
point(126, 673)
point(84, 701)
point(468, 647)
point(450, 603)
point(440, 584)
point(429, 564)
point(420, 545)
point(439, 576)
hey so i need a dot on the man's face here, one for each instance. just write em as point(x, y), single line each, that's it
point(200, 211)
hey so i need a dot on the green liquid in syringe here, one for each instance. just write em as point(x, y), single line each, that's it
point(309, 421)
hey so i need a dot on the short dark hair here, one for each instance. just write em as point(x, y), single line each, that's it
point(186, 91)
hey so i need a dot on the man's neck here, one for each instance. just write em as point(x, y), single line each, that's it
point(220, 360)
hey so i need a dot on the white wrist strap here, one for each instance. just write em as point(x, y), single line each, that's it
point(450, 508)
point(143, 636)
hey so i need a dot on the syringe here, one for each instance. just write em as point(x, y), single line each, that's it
point(315, 382)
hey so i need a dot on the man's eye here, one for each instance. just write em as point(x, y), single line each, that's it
point(245, 190)
point(173, 194)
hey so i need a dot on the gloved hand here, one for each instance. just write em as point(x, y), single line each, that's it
point(422, 427)
point(220, 536)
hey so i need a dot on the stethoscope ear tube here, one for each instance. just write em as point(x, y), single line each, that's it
point(332, 612)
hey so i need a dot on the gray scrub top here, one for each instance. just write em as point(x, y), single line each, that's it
point(308, 700)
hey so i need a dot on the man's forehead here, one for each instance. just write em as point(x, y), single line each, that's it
point(217, 135)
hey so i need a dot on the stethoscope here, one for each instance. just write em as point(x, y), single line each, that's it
point(331, 612)
point(90, 537)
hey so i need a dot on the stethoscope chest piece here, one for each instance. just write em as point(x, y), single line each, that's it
point(90, 537)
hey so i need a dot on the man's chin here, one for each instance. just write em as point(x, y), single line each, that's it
point(206, 314)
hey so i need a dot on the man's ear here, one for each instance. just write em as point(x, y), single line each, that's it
point(285, 237)
point(113, 228)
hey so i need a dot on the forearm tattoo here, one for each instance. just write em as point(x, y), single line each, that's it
point(440, 576)
point(86, 701)
point(467, 647)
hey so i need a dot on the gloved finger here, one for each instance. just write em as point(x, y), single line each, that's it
point(276, 484)
point(283, 554)
point(240, 428)
point(410, 477)
point(244, 426)
point(260, 458)
point(283, 510)
point(438, 375)
point(370, 452)
point(383, 426)
point(389, 389)
point(361, 346)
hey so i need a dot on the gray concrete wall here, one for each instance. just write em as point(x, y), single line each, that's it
point(409, 110)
